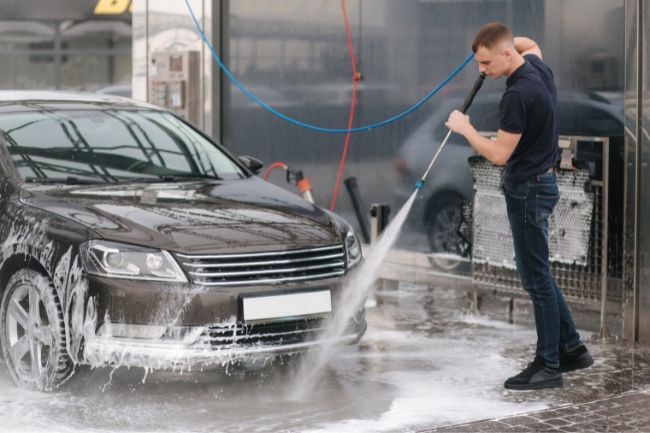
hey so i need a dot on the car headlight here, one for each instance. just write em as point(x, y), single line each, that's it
point(117, 260)
point(352, 249)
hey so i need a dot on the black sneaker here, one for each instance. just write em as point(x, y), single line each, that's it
point(536, 376)
point(576, 359)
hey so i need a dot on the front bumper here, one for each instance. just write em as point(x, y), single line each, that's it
point(202, 350)
point(186, 305)
point(156, 325)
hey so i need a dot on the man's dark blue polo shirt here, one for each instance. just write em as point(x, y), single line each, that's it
point(529, 108)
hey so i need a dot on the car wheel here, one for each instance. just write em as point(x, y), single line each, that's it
point(33, 333)
point(443, 222)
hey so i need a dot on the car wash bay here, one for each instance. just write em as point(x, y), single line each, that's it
point(446, 325)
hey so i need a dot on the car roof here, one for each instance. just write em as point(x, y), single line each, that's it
point(48, 97)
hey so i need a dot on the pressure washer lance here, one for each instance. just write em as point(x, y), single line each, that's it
point(302, 183)
point(468, 101)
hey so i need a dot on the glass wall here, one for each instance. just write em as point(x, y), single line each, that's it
point(643, 131)
point(637, 138)
point(637, 154)
point(70, 44)
point(630, 279)
point(293, 55)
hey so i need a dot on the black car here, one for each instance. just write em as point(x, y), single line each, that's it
point(130, 238)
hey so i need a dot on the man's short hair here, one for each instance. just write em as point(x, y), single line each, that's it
point(490, 35)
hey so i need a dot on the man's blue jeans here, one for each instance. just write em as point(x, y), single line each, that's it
point(530, 204)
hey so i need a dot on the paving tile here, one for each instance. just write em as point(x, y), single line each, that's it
point(612, 396)
point(605, 415)
point(523, 428)
point(543, 415)
point(537, 427)
point(559, 422)
point(517, 420)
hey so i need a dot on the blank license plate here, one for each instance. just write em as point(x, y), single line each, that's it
point(287, 305)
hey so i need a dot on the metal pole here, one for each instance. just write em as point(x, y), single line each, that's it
point(604, 274)
point(220, 83)
point(58, 61)
point(359, 208)
point(379, 213)
point(433, 161)
point(637, 173)
point(146, 56)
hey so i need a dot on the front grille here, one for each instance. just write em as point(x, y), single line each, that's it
point(265, 267)
point(278, 333)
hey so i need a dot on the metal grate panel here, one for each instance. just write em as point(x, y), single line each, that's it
point(575, 236)
point(569, 225)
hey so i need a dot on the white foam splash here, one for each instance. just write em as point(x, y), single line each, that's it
point(28, 238)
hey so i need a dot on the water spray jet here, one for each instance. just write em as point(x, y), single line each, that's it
point(360, 282)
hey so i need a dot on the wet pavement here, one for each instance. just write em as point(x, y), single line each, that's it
point(622, 413)
point(424, 364)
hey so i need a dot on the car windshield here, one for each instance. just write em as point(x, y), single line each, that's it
point(110, 145)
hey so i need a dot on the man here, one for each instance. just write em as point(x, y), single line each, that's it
point(527, 144)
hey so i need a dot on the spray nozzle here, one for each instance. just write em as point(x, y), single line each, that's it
point(294, 176)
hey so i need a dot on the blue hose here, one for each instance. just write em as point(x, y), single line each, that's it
point(307, 125)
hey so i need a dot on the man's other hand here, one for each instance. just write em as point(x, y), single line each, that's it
point(458, 122)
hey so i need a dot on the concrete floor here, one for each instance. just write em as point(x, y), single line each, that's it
point(424, 364)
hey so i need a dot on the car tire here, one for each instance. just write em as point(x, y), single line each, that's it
point(443, 221)
point(32, 332)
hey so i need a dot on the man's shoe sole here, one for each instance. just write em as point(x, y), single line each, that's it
point(585, 363)
point(534, 386)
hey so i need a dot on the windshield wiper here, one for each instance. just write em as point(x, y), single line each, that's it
point(170, 178)
point(70, 180)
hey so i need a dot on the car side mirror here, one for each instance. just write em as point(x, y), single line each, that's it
point(253, 164)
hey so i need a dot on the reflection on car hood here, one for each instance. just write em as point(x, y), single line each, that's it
point(192, 217)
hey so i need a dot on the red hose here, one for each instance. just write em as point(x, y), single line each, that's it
point(355, 78)
point(272, 167)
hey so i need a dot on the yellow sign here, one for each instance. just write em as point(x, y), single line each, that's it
point(113, 7)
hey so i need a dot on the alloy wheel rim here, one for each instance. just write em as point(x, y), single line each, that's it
point(29, 333)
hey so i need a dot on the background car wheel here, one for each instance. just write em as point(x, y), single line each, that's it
point(443, 221)
point(32, 332)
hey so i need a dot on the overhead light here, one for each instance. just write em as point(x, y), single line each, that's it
point(113, 7)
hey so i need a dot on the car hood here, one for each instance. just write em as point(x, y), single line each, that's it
point(191, 217)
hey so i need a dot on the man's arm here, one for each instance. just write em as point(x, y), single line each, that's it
point(527, 46)
point(497, 152)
